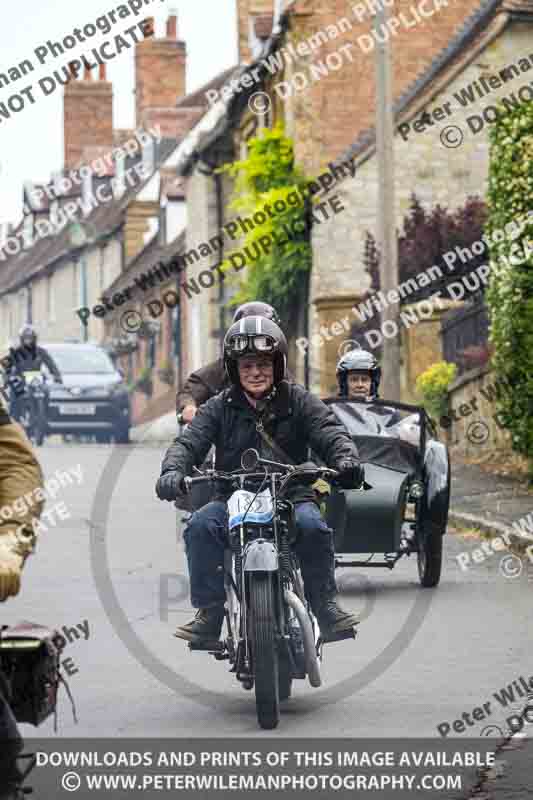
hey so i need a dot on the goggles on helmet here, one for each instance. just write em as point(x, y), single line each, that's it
point(259, 343)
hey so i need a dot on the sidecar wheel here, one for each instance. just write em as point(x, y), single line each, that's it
point(430, 559)
point(264, 650)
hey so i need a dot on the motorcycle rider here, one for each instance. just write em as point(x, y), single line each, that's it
point(20, 474)
point(259, 398)
point(28, 357)
point(211, 379)
point(358, 378)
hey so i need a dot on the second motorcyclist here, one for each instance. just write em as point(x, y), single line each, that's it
point(28, 357)
point(260, 399)
point(358, 377)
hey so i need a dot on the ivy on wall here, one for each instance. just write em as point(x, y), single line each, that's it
point(510, 291)
point(278, 251)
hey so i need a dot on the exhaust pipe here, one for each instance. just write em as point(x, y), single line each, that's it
point(312, 665)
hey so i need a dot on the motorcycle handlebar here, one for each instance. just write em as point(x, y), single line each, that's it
point(315, 474)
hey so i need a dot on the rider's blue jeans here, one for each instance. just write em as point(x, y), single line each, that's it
point(206, 535)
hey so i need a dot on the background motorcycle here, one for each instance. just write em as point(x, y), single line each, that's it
point(271, 633)
point(29, 404)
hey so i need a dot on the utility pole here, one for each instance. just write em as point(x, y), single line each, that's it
point(387, 240)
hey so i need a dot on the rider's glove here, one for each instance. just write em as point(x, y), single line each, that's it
point(351, 474)
point(169, 485)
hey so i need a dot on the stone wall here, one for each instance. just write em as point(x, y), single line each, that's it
point(473, 427)
point(421, 346)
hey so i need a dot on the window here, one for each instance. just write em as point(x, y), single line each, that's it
point(81, 359)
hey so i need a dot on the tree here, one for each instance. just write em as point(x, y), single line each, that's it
point(269, 185)
point(426, 238)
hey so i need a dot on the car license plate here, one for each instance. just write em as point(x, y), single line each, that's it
point(77, 408)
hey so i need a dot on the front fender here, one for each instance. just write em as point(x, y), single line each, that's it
point(261, 556)
point(438, 480)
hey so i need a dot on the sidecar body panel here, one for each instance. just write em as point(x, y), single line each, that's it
point(369, 522)
point(398, 453)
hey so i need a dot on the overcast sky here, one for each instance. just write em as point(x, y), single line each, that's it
point(32, 140)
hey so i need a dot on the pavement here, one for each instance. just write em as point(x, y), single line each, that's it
point(158, 431)
point(492, 503)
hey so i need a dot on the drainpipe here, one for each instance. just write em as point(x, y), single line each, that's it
point(220, 220)
point(83, 289)
point(210, 169)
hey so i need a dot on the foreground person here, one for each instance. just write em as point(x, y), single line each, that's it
point(255, 355)
point(20, 474)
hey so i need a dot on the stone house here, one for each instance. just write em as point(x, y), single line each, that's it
point(488, 58)
point(69, 258)
point(65, 282)
point(315, 63)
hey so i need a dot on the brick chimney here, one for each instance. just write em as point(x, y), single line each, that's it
point(88, 115)
point(159, 73)
point(252, 16)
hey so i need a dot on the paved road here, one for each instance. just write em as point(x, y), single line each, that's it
point(422, 657)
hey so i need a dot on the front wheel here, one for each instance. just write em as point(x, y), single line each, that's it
point(264, 649)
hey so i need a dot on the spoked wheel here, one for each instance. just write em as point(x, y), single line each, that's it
point(430, 559)
point(39, 430)
point(25, 421)
point(264, 650)
point(285, 680)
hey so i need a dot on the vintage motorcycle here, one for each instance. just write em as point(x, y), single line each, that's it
point(29, 404)
point(271, 635)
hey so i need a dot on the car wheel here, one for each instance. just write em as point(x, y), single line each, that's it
point(122, 434)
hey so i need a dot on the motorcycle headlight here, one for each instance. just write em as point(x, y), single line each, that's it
point(416, 490)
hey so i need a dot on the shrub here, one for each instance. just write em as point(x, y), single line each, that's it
point(510, 291)
point(426, 237)
point(432, 385)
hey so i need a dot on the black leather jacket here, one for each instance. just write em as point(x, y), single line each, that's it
point(295, 419)
point(30, 359)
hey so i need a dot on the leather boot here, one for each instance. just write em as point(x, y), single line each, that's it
point(206, 626)
point(333, 619)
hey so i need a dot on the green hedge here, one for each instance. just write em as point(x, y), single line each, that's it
point(510, 291)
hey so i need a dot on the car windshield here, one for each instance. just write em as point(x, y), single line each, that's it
point(81, 360)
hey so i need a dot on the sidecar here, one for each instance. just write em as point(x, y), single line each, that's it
point(406, 509)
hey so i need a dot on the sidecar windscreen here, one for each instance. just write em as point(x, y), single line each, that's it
point(378, 442)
